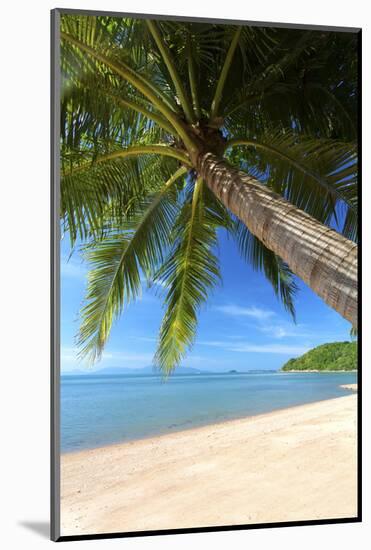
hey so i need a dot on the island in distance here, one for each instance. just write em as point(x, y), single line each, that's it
point(152, 370)
point(337, 356)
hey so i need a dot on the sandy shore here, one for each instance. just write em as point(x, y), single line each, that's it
point(353, 387)
point(293, 464)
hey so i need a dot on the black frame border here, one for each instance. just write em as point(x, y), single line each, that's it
point(55, 284)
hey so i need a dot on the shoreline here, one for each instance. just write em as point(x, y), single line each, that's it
point(286, 465)
point(352, 387)
point(317, 371)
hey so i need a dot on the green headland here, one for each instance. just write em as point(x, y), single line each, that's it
point(337, 356)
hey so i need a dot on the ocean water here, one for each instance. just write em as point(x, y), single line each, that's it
point(101, 410)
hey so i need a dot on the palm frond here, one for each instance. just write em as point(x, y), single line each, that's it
point(121, 41)
point(117, 260)
point(313, 174)
point(98, 112)
point(224, 73)
point(262, 259)
point(173, 71)
point(307, 86)
point(107, 58)
point(106, 193)
point(110, 107)
point(188, 274)
point(288, 55)
point(307, 108)
point(350, 225)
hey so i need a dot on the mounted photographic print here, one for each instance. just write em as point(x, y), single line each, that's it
point(204, 282)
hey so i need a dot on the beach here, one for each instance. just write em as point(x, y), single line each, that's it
point(352, 387)
point(289, 465)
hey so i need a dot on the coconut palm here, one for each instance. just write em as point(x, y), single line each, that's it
point(174, 131)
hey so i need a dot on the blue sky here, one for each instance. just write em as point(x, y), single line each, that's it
point(243, 326)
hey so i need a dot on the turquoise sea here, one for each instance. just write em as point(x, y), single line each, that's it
point(100, 410)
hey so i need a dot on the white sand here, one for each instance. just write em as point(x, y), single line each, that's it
point(289, 465)
point(352, 387)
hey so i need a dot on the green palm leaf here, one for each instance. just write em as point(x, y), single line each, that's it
point(106, 193)
point(262, 259)
point(313, 174)
point(188, 274)
point(303, 84)
point(117, 261)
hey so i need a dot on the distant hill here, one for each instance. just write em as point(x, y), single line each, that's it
point(128, 370)
point(151, 370)
point(337, 356)
point(146, 370)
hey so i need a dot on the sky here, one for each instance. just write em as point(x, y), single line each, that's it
point(243, 326)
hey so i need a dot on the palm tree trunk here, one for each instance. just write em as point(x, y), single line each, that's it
point(325, 260)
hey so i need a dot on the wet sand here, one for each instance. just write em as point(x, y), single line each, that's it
point(288, 465)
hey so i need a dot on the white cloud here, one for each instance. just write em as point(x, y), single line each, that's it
point(238, 311)
point(212, 343)
point(311, 336)
point(245, 347)
point(270, 348)
point(145, 338)
point(282, 331)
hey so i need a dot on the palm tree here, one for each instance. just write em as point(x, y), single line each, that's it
point(172, 131)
